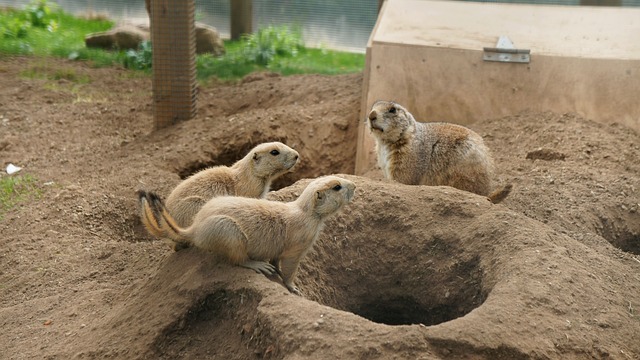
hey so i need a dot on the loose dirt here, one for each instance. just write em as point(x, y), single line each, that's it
point(405, 272)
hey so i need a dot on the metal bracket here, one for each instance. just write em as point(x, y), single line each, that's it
point(506, 52)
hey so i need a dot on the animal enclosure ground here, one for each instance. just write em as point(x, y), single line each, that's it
point(403, 272)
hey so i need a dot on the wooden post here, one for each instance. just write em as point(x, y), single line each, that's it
point(241, 18)
point(174, 61)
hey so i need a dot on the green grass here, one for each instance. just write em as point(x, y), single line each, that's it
point(306, 61)
point(15, 189)
point(319, 61)
point(63, 39)
point(43, 30)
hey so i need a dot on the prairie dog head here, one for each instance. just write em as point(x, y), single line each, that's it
point(273, 159)
point(389, 121)
point(328, 194)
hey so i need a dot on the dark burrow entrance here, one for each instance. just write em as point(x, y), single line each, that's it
point(227, 157)
point(431, 287)
point(623, 232)
point(421, 297)
point(409, 309)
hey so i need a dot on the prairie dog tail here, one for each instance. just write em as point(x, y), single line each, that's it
point(159, 222)
point(500, 194)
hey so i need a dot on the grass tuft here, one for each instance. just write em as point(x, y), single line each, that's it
point(46, 73)
point(15, 189)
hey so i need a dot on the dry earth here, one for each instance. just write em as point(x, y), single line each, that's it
point(403, 273)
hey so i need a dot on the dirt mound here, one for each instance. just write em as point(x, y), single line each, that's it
point(463, 272)
point(593, 191)
point(403, 272)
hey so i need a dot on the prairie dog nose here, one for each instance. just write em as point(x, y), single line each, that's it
point(373, 115)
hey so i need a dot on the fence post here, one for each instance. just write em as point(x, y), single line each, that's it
point(241, 18)
point(174, 61)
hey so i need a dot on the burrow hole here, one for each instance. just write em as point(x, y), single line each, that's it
point(623, 233)
point(227, 157)
point(420, 289)
point(416, 300)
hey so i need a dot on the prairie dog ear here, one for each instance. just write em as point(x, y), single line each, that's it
point(255, 156)
point(319, 195)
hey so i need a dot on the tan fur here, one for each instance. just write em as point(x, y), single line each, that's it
point(415, 153)
point(250, 232)
point(250, 176)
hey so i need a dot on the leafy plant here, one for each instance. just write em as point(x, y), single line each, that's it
point(139, 59)
point(14, 27)
point(40, 14)
point(268, 43)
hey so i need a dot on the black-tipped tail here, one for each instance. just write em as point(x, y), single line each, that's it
point(158, 221)
point(148, 214)
point(500, 194)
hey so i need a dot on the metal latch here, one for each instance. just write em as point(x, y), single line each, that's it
point(506, 52)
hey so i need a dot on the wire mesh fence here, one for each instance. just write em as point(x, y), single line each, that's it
point(334, 24)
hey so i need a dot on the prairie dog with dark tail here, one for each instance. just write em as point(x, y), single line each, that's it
point(415, 153)
point(253, 232)
point(250, 176)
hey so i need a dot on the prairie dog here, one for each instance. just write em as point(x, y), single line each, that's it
point(250, 176)
point(253, 232)
point(415, 153)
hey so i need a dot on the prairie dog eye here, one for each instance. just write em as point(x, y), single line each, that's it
point(392, 110)
point(274, 152)
point(337, 187)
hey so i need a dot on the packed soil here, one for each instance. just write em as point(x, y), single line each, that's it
point(404, 272)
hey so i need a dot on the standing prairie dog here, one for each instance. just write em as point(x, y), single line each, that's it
point(250, 176)
point(415, 153)
point(253, 232)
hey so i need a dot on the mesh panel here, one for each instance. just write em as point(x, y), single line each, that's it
point(336, 24)
point(215, 13)
point(333, 24)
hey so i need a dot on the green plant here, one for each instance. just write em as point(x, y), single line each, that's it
point(62, 34)
point(40, 13)
point(14, 27)
point(14, 189)
point(139, 59)
point(268, 43)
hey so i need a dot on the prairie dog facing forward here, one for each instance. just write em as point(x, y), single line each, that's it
point(250, 176)
point(415, 153)
point(253, 232)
